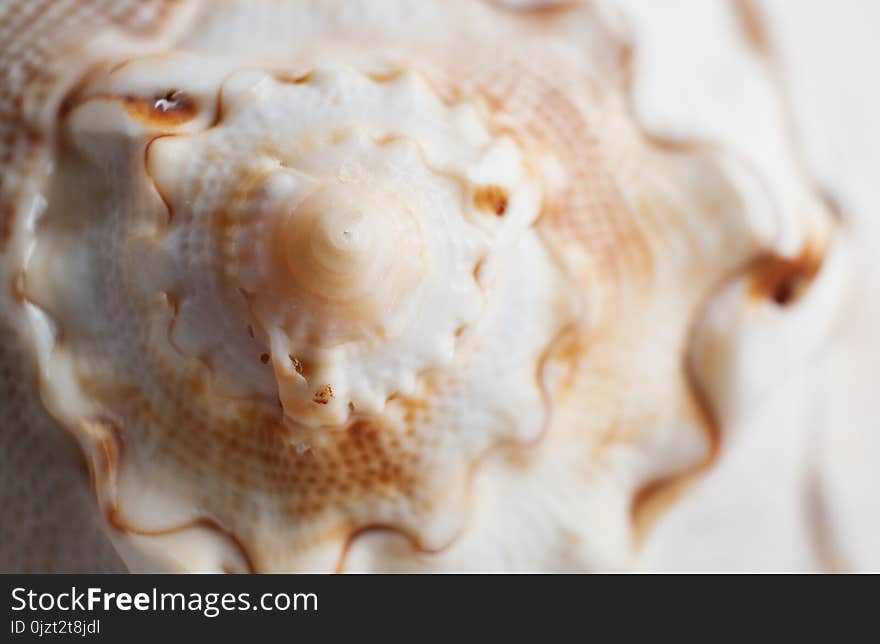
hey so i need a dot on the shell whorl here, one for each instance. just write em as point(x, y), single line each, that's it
point(340, 210)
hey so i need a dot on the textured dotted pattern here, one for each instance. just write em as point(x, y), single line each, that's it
point(586, 210)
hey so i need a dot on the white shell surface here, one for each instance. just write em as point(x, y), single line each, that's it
point(361, 286)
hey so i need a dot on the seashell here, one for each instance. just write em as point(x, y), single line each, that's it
point(403, 285)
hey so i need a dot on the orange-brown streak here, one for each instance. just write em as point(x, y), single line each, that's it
point(752, 26)
point(110, 448)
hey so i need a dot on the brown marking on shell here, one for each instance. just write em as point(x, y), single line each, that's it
point(386, 76)
point(218, 106)
point(323, 395)
point(540, 9)
point(294, 79)
point(752, 25)
point(656, 495)
point(16, 286)
point(76, 94)
point(652, 499)
point(493, 199)
point(119, 524)
point(107, 445)
point(478, 266)
point(384, 528)
point(108, 455)
point(784, 279)
point(169, 109)
point(173, 303)
point(121, 65)
point(550, 355)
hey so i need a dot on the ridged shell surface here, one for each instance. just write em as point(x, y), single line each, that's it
point(382, 285)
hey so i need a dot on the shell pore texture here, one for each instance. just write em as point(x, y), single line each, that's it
point(386, 285)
